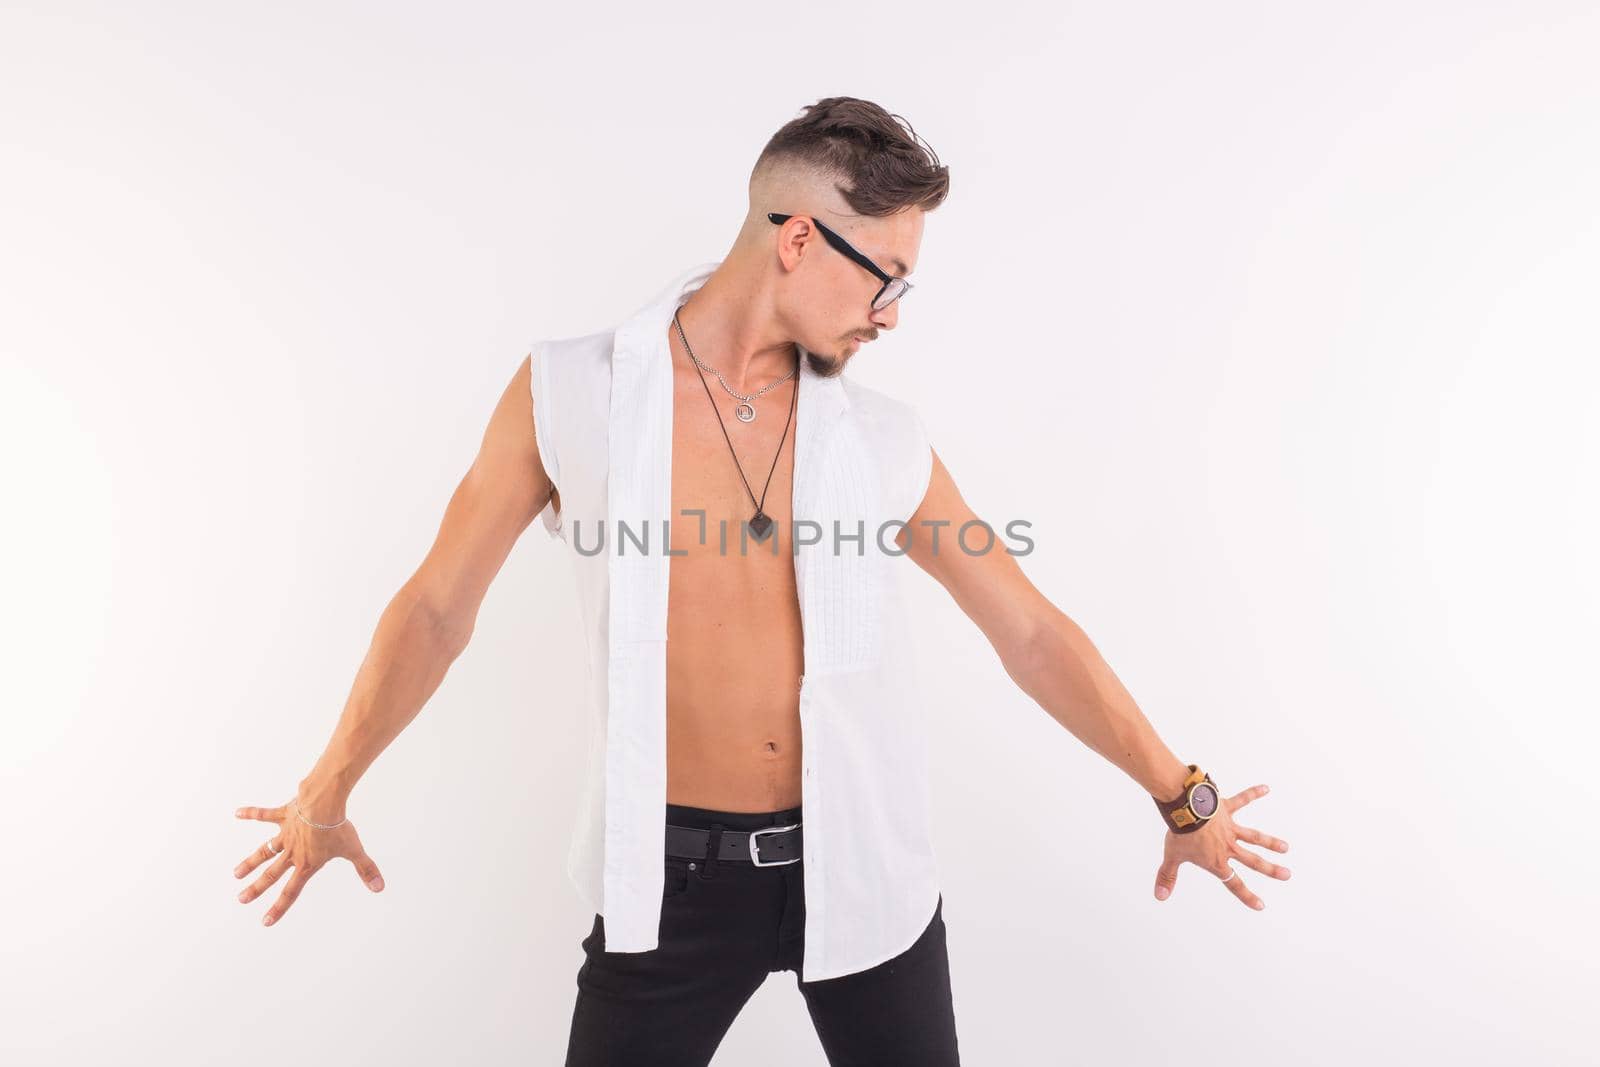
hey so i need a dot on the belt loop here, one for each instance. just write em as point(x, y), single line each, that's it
point(713, 851)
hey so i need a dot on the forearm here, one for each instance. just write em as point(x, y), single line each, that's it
point(1060, 668)
point(410, 652)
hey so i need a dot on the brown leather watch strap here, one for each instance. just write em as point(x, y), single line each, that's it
point(1176, 813)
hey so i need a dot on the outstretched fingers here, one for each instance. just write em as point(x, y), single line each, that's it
point(1243, 797)
point(1265, 866)
point(291, 891)
point(262, 884)
point(1166, 879)
point(258, 857)
point(264, 814)
point(368, 871)
point(1256, 837)
point(1237, 887)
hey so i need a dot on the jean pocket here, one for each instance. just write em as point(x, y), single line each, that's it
point(677, 877)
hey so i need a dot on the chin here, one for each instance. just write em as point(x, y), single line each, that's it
point(828, 366)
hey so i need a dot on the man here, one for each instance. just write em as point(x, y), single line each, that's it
point(756, 798)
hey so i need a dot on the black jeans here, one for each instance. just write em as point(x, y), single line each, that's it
point(724, 927)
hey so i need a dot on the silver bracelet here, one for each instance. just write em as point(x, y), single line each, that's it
point(318, 825)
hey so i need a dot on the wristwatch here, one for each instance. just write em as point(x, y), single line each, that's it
point(1197, 803)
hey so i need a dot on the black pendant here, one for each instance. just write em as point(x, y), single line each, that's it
point(760, 524)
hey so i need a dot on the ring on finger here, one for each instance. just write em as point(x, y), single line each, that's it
point(1231, 873)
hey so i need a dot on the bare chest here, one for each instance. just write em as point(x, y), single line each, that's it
point(723, 471)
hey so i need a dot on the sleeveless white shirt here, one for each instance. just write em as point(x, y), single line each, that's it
point(603, 416)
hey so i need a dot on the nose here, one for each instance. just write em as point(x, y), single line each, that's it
point(888, 317)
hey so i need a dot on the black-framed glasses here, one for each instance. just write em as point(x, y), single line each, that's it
point(893, 288)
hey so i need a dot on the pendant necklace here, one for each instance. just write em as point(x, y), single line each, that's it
point(745, 411)
point(760, 522)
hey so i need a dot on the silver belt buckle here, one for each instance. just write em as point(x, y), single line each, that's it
point(755, 853)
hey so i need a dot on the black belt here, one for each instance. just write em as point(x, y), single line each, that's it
point(770, 846)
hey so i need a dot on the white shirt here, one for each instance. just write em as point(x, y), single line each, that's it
point(603, 415)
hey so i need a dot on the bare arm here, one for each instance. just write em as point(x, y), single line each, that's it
point(1047, 654)
point(1053, 661)
point(430, 620)
point(419, 634)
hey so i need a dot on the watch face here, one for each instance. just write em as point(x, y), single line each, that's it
point(1204, 800)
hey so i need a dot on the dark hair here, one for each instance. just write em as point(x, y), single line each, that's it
point(882, 166)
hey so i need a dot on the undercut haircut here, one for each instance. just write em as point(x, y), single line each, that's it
point(873, 158)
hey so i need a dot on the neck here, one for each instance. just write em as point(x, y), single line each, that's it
point(730, 326)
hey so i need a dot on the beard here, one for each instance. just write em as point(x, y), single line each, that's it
point(826, 366)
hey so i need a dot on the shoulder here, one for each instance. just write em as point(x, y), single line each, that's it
point(571, 372)
point(585, 351)
point(893, 430)
point(570, 378)
point(880, 413)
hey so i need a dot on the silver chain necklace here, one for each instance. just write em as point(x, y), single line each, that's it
point(760, 523)
point(744, 411)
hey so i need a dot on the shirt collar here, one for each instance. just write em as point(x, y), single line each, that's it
point(643, 337)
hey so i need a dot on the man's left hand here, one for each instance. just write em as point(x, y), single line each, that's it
point(1218, 841)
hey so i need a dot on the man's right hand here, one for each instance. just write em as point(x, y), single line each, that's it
point(303, 847)
point(424, 627)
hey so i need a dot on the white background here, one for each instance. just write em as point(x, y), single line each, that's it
point(1276, 320)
